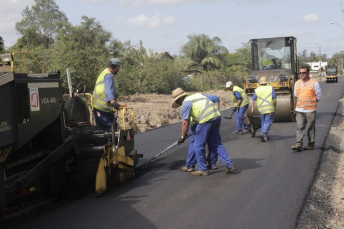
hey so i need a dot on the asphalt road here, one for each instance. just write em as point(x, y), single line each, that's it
point(267, 190)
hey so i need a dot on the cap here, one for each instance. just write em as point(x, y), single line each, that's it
point(115, 61)
point(228, 84)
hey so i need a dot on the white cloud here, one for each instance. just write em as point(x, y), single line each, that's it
point(310, 18)
point(149, 22)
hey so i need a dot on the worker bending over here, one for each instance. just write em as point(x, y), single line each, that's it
point(240, 98)
point(204, 110)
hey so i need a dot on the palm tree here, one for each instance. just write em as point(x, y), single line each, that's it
point(203, 53)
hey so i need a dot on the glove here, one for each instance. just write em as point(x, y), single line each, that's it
point(235, 108)
point(116, 106)
point(181, 140)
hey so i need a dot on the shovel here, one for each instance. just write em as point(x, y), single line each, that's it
point(231, 115)
point(164, 151)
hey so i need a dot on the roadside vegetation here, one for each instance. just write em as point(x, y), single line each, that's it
point(202, 64)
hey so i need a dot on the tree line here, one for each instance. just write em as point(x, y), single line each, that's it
point(203, 63)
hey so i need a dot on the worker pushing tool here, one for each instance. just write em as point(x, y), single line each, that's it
point(241, 101)
point(204, 110)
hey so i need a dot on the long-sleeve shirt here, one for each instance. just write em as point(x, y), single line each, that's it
point(238, 95)
point(317, 91)
point(110, 87)
point(187, 106)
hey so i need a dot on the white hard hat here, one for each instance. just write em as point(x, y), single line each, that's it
point(228, 84)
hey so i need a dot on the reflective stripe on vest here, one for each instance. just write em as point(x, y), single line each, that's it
point(203, 109)
point(306, 97)
point(265, 102)
point(99, 97)
point(245, 99)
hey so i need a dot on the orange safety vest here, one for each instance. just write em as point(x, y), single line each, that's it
point(306, 97)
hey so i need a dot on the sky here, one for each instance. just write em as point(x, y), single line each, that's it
point(163, 25)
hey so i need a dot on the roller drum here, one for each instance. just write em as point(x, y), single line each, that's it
point(283, 110)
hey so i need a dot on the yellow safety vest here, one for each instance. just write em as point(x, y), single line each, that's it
point(203, 109)
point(265, 103)
point(245, 100)
point(99, 98)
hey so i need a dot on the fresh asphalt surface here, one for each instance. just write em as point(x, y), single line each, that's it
point(266, 191)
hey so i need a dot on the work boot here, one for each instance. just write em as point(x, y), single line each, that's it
point(297, 147)
point(212, 167)
point(200, 173)
point(237, 132)
point(186, 169)
point(309, 147)
point(231, 169)
point(245, 131)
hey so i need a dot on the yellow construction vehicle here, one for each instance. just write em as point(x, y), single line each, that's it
point(119, 158)
point(331, 74)
point(276, 59)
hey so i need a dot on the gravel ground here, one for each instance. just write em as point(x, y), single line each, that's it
point(324, 205)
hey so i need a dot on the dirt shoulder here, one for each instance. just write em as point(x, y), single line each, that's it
point(324, 205)
point(155, 110)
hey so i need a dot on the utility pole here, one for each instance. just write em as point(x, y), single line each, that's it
point(320, 73)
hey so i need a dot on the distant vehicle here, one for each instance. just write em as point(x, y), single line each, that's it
point(331, 74)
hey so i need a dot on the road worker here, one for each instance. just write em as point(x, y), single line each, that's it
point(203, 110)
point(241, 101)
point(266, 102)
point(308, 94)
point(105, 95)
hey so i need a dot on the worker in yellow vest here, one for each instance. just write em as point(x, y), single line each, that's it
point(203, 110)
point(105, 95)
point(241, 101)
point(266, 102)
point(308, 94)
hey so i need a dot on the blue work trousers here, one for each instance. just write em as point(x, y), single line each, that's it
point(208, 133)
point(266, 121)
point(103, 119)
point(240, 118)
point(191, 159)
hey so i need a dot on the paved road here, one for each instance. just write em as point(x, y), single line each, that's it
point(267, 190)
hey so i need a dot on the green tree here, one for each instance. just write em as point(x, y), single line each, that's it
point(204, 53)
point(83, 49)
point(2, 44)
point(312, 57)
point(40, 23)
point(302, 58)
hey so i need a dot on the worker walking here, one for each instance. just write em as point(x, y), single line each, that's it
point(308, 94)
point(105, 95)
point(241, 101)
point(204, 110)
point(266, 102)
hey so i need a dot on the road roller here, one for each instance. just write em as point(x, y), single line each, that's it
point(45, 136)
point(276, 59)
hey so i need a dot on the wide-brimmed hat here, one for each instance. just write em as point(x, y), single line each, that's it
point(176, 94)
point(263, 80)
